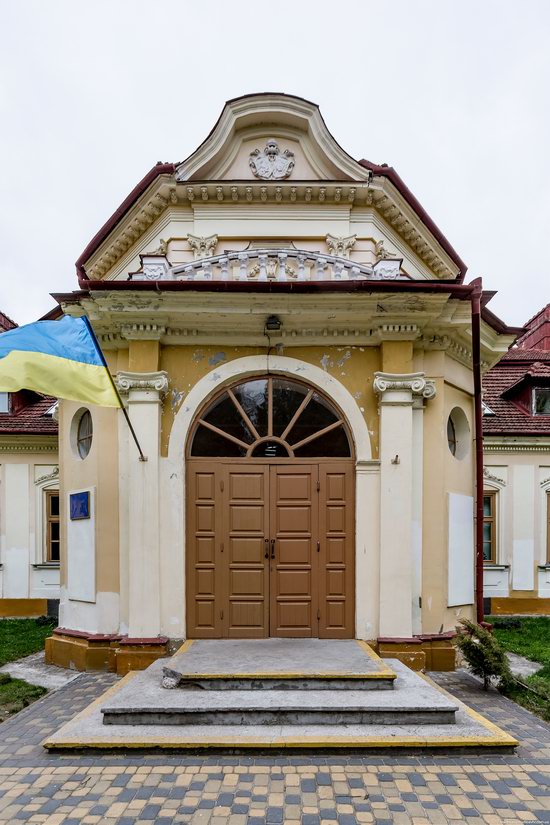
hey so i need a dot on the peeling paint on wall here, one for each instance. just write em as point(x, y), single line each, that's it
point(176, 398)
point(198, 356)
point(217, 358)
point(325, 362)
point(344, 358)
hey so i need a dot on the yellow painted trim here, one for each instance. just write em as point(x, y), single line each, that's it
point(382, 665)
point(499, 738)
point(185, 647)
point(23, 608)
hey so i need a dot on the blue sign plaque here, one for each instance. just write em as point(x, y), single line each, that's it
point(79, 505)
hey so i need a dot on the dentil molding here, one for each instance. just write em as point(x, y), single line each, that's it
point(143, 381)
point(414, 382)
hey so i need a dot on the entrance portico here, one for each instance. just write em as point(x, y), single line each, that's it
point(330, 284)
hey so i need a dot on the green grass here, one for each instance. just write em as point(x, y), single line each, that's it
point(15, 694)
point(531, 638)
point(21, 637)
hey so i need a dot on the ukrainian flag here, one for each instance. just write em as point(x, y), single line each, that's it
point(60, 358)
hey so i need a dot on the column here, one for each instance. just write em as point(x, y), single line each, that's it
point(145, 391)
point(399, 476)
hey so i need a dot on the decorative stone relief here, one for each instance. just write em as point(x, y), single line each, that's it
point(414, 382)
point(271, 163)
point(154, 267)
point(341, 246)
point(495, 479)
point(382, 254)
point(273, 270)
point(162, 249)
point(143, 381)
point(203, 247)
point(53, 476)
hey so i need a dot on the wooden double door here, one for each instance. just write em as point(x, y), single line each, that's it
point(270, 550)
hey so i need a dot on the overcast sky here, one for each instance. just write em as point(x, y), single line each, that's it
point(455, 94)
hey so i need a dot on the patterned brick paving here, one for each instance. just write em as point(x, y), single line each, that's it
point(238, 790)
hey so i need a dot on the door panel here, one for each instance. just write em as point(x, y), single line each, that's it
point(336, 556)
point(293, 571)
point(203, 535)
point(307, 589)
point(245, 604)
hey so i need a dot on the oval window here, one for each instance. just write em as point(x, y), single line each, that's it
point(84, 434)
point(458, 433)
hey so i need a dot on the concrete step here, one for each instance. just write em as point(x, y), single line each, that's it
point(277, 664)
point(471, 732)
point(145, 702)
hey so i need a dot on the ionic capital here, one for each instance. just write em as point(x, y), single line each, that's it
point(413, 384)
point(127, 382)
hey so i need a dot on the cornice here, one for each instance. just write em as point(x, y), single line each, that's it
point(501, 444)
point(165, 194)
point(28, 444)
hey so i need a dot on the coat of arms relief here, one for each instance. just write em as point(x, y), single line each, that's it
point(271, 163)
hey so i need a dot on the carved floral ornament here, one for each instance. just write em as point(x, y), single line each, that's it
point(340, 247)
point(270, 163)
point(203, 246)
point(416, 383)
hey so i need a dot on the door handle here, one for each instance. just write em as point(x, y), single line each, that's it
point(266, 548)
point(272, 548)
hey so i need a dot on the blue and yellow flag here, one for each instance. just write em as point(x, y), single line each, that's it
point(59, 358)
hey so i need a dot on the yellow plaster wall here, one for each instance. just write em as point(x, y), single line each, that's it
point(354, 367)
point(100, 470)
point(443, 473)
point(397, 356)
point(143, 356)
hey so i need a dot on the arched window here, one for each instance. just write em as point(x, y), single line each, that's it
point(271, 417)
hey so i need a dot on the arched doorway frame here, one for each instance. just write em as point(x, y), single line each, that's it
point(366, 469)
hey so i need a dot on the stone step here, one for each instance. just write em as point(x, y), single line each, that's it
point(471, 732)
point(412, 702)
point(277, 664)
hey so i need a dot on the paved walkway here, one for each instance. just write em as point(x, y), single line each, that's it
point(224, 790)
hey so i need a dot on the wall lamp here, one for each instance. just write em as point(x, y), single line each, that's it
point(273, 324)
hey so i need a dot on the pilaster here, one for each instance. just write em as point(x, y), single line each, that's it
point(400, 496)
point(144, 391)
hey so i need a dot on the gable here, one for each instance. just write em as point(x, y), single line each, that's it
point(270, 170)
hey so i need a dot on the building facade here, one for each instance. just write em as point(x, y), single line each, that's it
point(291, 334)
point(29, 502)
point(516, 426)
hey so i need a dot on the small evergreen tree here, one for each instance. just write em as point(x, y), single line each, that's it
point(484, 655)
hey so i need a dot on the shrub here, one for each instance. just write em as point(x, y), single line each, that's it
point(484, 655)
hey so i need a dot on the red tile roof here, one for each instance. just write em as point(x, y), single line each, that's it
point(29, 408)
point(515, 369)
point(6, 322)
point(31, 418)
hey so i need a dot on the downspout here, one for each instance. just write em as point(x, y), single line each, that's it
point(478, 442)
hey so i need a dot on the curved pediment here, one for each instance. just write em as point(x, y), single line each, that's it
point(270, 137)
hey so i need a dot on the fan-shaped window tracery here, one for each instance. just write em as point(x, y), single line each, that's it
point(271, 417)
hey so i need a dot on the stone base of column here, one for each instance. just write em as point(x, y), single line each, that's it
point(93, 651)
point(427, 652)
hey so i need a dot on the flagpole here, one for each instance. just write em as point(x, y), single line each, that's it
point(120, 401)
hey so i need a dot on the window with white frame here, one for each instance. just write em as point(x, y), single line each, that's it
point(541, 401)
point(4, 402)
